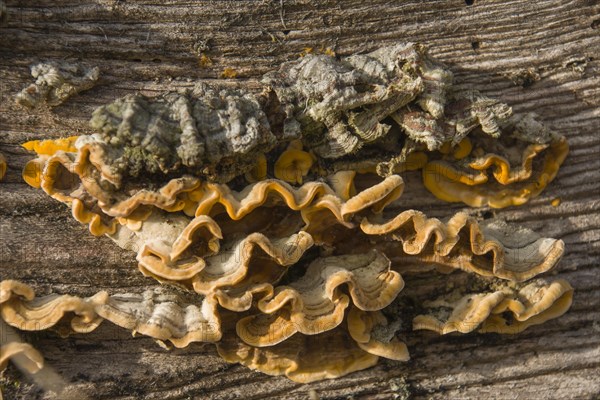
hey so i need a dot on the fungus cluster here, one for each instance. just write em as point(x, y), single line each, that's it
point(265, 214)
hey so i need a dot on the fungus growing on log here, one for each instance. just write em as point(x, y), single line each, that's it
point(56, 82)
point(293, 165)
point(530, 304)
point(269, 263)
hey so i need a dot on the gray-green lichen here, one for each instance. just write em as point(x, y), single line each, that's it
point(465, 112)
point(338, 106)
point(528, 129)
point(400, 388)
point(212, 133)
point(56, 82)
point(361, 112)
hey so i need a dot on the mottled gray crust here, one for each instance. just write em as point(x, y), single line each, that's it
point(365, 111)
point(56, 82)
point(528, 129)
point(479, 111)
point(216, 134)
point(339, 105)
point(422, 127)
point(464, 112)
point(437, 79)
point(373, 110)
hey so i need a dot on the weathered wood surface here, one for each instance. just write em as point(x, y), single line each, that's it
point(541, 56)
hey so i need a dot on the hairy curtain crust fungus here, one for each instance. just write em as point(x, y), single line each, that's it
point(508, 171)
point(315, 302)
point(160, 313)
point(31, 359)
point(264, 212)
point(508, 309)
point(293, 165)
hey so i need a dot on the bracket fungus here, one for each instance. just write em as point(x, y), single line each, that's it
point(31, 358)
point(527, 305)
point(293, 164)
point(264, 213)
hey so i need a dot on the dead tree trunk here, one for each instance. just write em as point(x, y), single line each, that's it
point(541, 56)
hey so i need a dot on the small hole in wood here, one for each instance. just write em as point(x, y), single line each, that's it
point(285, 32)
point(469, 2)
point(137, 60)
point(488, 215)
point(475, 45)
point(157, 60)
point(528, 81)
point(595, 24)
point(508, 317)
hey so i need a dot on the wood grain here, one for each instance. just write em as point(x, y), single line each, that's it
point(541, 56)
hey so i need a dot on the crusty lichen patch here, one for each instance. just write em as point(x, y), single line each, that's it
point(205, 132)
point(56, 82)
point(384, 112)
point(267, 210)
